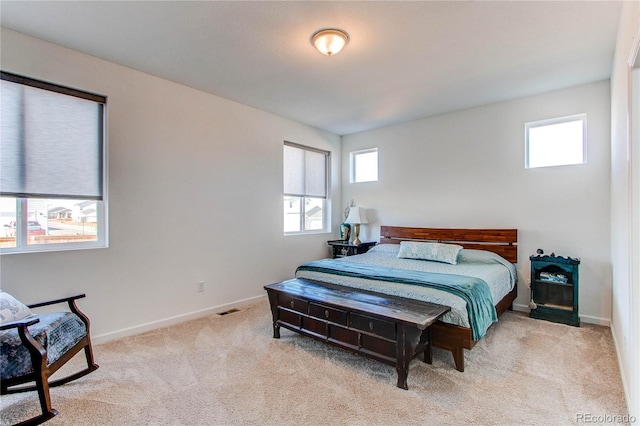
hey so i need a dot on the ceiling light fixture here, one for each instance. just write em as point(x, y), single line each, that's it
point(329, 41)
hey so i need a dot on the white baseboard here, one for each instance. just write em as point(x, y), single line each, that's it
point(130, 331)
point(623, 374)
point(583, 318)
point(595, 320)
point(521, 308)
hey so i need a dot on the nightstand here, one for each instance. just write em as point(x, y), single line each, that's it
point(341, 248)
point(554, 289)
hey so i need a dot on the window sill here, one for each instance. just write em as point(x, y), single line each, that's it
point(51, 248)
point(289, 234)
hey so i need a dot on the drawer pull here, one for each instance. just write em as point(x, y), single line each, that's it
point(370, 326)
point(326, 313)
point(292, 303)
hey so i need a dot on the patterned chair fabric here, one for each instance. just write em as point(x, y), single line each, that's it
point(56, 333)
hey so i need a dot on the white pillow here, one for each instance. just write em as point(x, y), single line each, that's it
point(11, 309)
point(438, 252)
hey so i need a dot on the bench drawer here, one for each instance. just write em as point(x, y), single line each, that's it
point(375, 326)
point(379, 346)
point(346, 336)
point(315, 326)
point(293, 303)
point(289, 317)
point(328, 313)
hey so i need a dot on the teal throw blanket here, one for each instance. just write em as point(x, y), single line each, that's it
point(474, 291)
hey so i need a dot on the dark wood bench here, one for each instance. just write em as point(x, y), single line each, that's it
point(389, 329)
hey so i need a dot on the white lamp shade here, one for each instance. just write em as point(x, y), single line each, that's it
point(329, 41)
point(357, 215)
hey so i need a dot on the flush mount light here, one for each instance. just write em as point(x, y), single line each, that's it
point(329, 41)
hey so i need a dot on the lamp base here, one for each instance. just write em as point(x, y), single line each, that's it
point(356, 233)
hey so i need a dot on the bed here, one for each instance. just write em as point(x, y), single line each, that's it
point(479, 285)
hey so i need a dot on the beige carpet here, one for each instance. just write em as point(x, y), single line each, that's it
point(228, 370)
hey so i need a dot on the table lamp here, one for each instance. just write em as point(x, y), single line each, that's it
point(357, 216)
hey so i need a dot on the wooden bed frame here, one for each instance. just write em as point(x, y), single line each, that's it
point(501, 241)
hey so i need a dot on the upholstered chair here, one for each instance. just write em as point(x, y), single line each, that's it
point(34, 346)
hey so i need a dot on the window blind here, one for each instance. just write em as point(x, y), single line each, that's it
point(305, 171)
point(51, 140)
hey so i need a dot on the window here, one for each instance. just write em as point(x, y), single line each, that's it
point(305, 189)
point(556, 142)
point(364, 165)
point(52, 179)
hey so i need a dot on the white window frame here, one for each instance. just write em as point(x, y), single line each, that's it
point(550, 122)
point(326, 219)
point(21, 233)
point(22, 215)
point(352, 164)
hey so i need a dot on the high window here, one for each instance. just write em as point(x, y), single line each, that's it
point(52, 167)
point(305, 189)
point(556, 142)
point(364, 165)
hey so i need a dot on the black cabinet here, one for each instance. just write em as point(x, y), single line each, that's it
point(554, 289)
point(341, 248)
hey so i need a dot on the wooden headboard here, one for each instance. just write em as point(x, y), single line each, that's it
point(501, 241)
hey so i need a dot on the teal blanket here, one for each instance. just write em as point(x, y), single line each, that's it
point(474, 291)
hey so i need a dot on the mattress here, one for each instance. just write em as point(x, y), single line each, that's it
point(499, 274)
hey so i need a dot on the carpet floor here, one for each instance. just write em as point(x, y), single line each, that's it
point(228, 370)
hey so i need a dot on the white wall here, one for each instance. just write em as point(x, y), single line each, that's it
point(195, 193)
point(625, 236)
point(466, 169)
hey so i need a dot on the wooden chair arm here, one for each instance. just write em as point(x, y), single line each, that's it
point(20, 323)
point(38, 353)
point(69, 299)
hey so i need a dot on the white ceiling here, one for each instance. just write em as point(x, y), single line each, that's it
point(405, 60)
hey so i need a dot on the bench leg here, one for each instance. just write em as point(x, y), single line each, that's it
point(428, 349)
point(276, 330)
point(273, 303)
point(408, 339)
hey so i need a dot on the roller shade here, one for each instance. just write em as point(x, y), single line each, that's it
point(305, 171)
point(51, 142)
